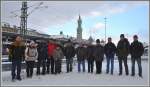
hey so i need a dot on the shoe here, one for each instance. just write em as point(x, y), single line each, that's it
point(43, 73)
point(47, 72)
point(120, 74)
point(13, 80)
point(127, 74)
point(132, 74)
point(141, 76)
point(19, 78)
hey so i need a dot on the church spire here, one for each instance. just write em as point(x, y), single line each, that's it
point(79, 17)
point(79, 21)
point(79, 29)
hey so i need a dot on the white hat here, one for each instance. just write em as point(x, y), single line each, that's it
point(32, 42)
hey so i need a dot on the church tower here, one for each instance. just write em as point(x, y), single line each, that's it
point(79, 29)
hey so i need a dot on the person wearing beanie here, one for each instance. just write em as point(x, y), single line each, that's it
point(122, 53)
point(31, 55)
point(98, 56)
point(136, 50)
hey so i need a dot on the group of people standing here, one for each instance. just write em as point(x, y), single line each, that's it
point(49, 55)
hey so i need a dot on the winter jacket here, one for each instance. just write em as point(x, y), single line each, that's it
point(16, 51)
point(110, 49)
point(136, 49)
point(51, 48)
point(123, 48)
point(42, 51)
point(31, 54)
point(69, 50)
point(98, 52)
point(90, 52)
point(81, 53)
point(58, 54)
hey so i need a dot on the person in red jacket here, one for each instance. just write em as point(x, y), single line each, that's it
point(50, 61)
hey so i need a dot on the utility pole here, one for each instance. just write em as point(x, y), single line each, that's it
point(23, 23)
point(105, 29)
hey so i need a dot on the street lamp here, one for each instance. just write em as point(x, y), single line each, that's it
point(105, 29)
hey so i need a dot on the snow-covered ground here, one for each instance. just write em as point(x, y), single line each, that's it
point(75, 78)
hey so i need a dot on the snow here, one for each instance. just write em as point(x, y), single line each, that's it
point(75, 78)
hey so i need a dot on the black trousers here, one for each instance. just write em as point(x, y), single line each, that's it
point(39, 64)
point(29, 68)
point(90, 65)
point(50, 64)
point(57, 66)
point(69, 62)
point(124, 59)
point(16, 64)
point(98, 67)
point(138, 59)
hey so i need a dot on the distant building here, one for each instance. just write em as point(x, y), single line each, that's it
point(79, 30)
point(90, 40)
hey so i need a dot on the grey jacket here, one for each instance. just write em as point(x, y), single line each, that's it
point(58, 54)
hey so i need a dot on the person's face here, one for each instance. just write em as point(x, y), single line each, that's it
point(18, 39)
point(135, 38)
point(109, 40)
point(32, 45)
point(121, 38)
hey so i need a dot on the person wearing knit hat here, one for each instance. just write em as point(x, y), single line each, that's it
point(122, 53)
point(31, 55)
point(99, 56)
point(97, 41)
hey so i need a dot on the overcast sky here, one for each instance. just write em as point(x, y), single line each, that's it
point(122, 17)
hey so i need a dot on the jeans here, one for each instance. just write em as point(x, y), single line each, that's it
point(69, 62)
point(110, 60)
point(139, 65)
point(16, 64)
point(83, 65)
point(124, 59)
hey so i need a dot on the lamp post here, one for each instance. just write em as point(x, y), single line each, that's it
point(105, 29)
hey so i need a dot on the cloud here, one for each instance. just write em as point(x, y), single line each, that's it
point(61, 12)
point(97, 27)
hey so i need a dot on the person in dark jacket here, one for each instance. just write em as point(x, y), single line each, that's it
point(16, 55)
point(99, 56)
point(81, 55)
point(110, 50)
point(42, 56)
point(122, 53)
point(69, 53)
point(136, 50)
point(90, 58)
